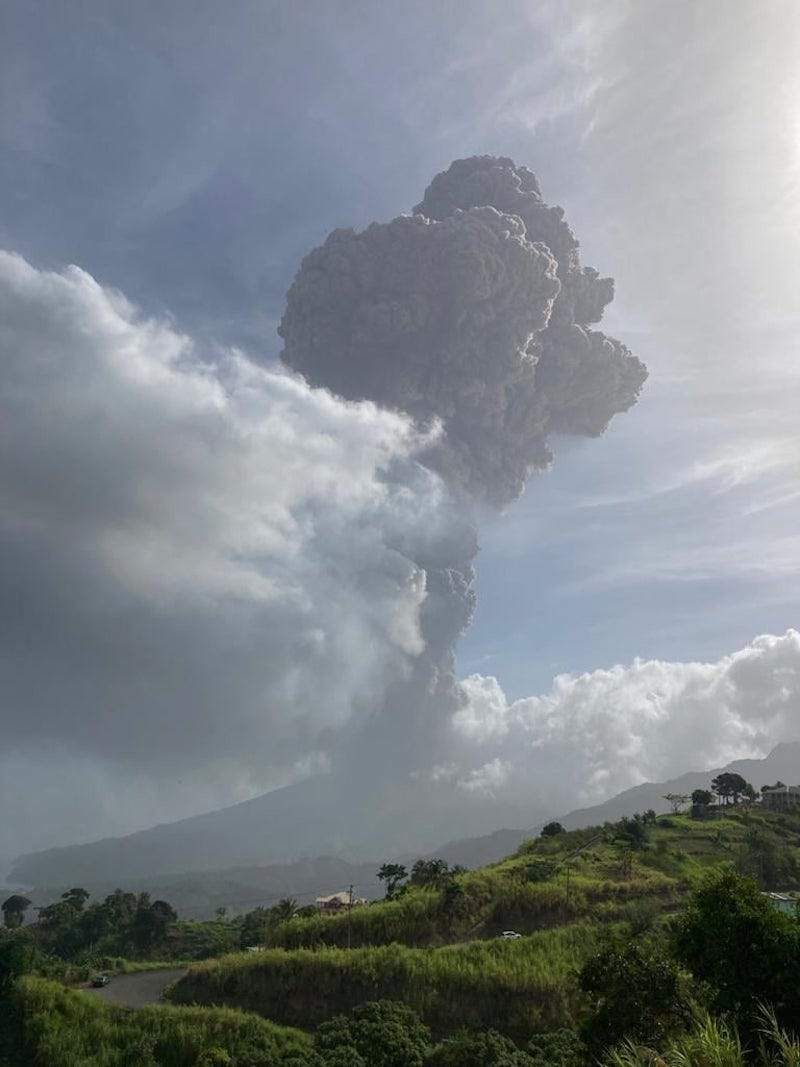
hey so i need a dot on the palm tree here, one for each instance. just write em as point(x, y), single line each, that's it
point(284, 910)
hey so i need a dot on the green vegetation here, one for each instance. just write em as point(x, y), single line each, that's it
point(596, 874)
point(513, 986)
point(379, 1034)
point(637, 991)
point(552, 829)
point(578, 896)
point(528, 892)
point(646, 941)
point(48, 1024)
point(715, 1043)
point(731, 937)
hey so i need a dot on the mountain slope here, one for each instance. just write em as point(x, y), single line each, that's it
point(316, 818)
point(782, 763)
point(320, 816)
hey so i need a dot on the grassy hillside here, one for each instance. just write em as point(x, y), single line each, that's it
point(437, 948)
point(590, 874)
point(513, 986)
point(64, 1028)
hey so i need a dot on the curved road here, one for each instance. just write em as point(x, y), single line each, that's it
point(137, 990)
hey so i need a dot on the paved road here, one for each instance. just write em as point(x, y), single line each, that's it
point(137, 990)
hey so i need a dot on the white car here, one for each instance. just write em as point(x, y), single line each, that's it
point(511, 935)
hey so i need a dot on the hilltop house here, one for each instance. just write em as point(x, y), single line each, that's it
point(339, 901)
point(785, 902)
point(781, 798)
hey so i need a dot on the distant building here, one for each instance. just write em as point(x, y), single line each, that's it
point(781, 798)
point(339, 902)
point(782, 902)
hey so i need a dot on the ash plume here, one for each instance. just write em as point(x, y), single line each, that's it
point(472, 314)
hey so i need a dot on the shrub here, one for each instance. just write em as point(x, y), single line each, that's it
point(558, 1048)
point(483, 1049)
point(731, 937)
point(378, 1034)
point(551, 829)
point(539, 871)
point(639, 994)
point(65, 1028)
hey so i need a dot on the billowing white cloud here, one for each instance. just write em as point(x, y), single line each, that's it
point(597, 733)
point(207, 565)
point(487, 779)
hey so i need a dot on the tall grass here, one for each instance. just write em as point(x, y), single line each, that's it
point(494, 898)
point(64, 1028)
point(715, 1043)
point(512, 986)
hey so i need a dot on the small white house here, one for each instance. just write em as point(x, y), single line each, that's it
point(339, 901)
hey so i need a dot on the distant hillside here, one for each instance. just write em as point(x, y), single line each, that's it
point(320, 816)
point(268, 828)
point(782, 763)
point(198, 894)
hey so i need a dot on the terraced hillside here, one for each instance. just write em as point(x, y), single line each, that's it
point(437, 948)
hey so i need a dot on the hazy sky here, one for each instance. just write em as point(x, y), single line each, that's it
point(188, 155)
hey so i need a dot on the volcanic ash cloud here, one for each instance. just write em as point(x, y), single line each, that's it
point(471, 314)
point(475, 312)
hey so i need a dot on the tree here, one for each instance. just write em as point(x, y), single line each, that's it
point(454, 899)
point(394, 874)
point(702, 799)
point(14, 909)
point(729, 785)
point(255, 925)
point(284, 910)
point(637, 992)
point(731, 937)
point(383, 1033)
point(482, 1049)
point(120, 907)
point(552, 829)
point(633, 832)
point(433, 872)
point(151, 922)
point(762, 858)
point(778, 785)
point(76, 898)
point(677, 800)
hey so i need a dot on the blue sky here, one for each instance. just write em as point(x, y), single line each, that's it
point(190, 153)
point(191, 158)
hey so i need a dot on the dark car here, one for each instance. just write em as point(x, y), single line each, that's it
point(100, 980)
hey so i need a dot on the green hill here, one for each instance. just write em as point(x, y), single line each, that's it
point(437, 947)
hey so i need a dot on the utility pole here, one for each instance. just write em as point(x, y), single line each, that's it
point(349, 914)
point(567, 869)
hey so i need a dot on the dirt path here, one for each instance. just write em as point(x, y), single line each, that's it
point(137, 990)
